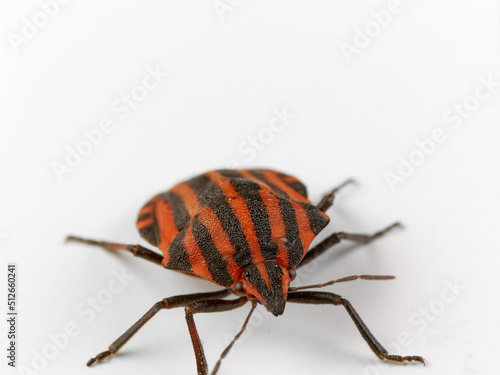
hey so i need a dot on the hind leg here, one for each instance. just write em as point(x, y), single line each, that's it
point(327, 201)
point(137, 250)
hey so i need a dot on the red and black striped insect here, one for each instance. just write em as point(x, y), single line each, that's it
point(247, 231)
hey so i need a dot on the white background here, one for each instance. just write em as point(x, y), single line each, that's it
point(227, 75)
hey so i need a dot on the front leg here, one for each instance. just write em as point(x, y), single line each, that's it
point(167, 303)
point(325, 298)
point(206, 307)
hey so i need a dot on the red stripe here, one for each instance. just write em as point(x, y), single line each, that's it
point(221, 241)
point(146, 209)
point(241, 211)
point(165, 218)
point(278, 228)
point(289, 179)
point(262, 184)
point(305, 232)
point(189, 198)
point(195, 257)
point(144, 223)
point(273, 178)
point(261, 267)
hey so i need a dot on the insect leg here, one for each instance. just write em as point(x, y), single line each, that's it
point(206, 307)
point(367, 238)
point(167, 303)
point(226, 351)
point(335, 238)
point(327, 201)
point(342, 280)
point(324, 298)
point(137, 250)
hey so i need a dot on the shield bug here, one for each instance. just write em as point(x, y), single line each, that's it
point(246, 231)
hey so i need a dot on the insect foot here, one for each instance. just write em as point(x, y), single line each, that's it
point(99, 358)
point(403, 360)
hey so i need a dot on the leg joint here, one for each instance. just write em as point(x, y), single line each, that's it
point(163, 304)
point(189, 310)
point(132, 248)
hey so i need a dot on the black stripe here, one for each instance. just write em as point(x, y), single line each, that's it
point(317, 221)
point(144, 217)
point(293, 242)
point(179, 211)
point(258, 174)
point(229, 173)
point(298, 186)
point(212, 196)
point(249, 190)
point(216, 265)
point(205, 190)
point(179, 259)
point(274, 272)
point(273, 297)
point(150, 233)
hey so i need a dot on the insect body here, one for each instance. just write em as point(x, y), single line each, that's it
point(242, 230)
point(247, 231)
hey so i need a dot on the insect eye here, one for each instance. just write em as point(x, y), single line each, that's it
point(292, 274)
point(239, 288)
